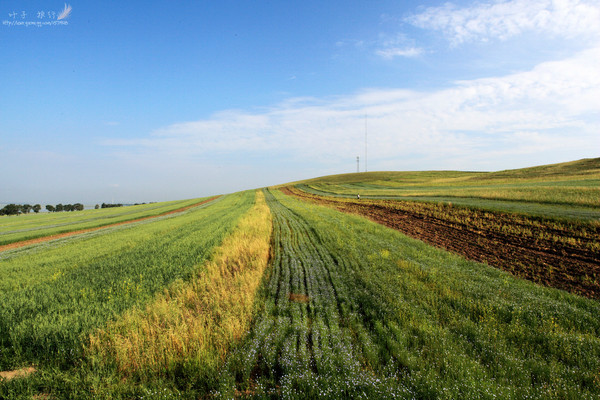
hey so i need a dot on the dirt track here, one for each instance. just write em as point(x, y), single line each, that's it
point(78, 232)
point(488, 239)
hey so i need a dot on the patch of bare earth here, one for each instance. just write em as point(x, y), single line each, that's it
point(565, 258)
point(299, 298)
point(17, 373)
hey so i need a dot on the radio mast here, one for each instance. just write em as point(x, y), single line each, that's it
point(365, 142)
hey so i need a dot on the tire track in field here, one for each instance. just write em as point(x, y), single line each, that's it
point(307, 296)
point(306, 341)
point(42, 239)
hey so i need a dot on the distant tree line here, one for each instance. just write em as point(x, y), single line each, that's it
point(64, 207)
point(104, 205)
point(16, 209)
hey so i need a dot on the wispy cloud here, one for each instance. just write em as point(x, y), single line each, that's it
point(393, 52)
point(397, 46)
point(551, 109)
point(505, 19)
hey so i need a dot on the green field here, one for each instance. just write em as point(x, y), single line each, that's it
point(51, 299)
point(32, 226)
point(186, 306)
point(356, 309)
point(568, 190)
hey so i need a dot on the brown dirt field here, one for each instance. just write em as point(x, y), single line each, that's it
point(567, 258)
point(78, 232)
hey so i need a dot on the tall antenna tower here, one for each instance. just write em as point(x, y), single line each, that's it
point(365, 142)
point(357, 164)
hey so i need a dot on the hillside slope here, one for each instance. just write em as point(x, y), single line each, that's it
point(540, 223)
point(567, 190)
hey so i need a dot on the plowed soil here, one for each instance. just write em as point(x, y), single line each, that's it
point(564, 256)
point(78, 232)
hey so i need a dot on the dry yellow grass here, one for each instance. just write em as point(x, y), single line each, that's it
point(192, 325)
point(17, 373)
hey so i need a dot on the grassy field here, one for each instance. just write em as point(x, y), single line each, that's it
point(262, 295)
point(185, 333)
point(355, 310)
point(568, 190)
point(32, 226)
point(53, 298)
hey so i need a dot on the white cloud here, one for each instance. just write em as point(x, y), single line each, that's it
point(476, 122)
point(506, 19)
point(392, 52)
point(397, 46)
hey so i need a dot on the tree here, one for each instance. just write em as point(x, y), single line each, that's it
point(50, 208)
point(59, 207)
point(78, 206)
point(97, 206)
point(11, 209)
point(104, 205)
point(37, 208)
point(25, 208)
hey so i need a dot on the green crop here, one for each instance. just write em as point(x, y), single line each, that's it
point(355, 310)
point(52, 298)
point(184, 334)
point(32, 226)
point(346, 308)
point(568, 190)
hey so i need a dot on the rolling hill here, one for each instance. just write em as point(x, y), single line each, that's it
point(437, 284)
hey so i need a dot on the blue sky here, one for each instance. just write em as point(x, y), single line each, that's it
point(161, 100)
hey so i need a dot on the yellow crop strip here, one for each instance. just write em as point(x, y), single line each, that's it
point(193, 324)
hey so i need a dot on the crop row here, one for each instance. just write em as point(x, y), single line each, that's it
point(26, 222)
point(557, 253)
point(52, 298)
point(558, 210)
point(572, 184)
point(347, 308)
point(576, 234)
point(27, 227)
point(183, 335)
point(578, 193)
point(356, 310)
